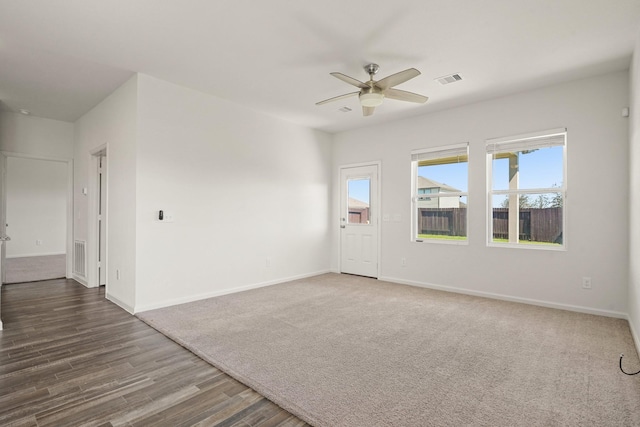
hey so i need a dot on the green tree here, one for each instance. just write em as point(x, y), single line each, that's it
point(556, 200)
point(524, 202)
point(541, 202)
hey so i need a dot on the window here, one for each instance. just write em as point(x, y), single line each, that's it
point(440, 192)
point(527, 190)
point(358, 195)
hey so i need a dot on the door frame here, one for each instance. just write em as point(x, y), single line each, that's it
point(92, 273)
point(4, 155)
point(378, 165)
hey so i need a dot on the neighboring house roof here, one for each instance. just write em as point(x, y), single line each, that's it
point(355, 203)
point(429, 183)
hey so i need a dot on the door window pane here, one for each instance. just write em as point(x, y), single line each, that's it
point(358, 193)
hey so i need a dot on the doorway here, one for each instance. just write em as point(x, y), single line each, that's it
point(359, 213)
point(101, 217)
point(36, 198)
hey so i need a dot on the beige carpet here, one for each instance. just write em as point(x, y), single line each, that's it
point(31, 269)
point(340, 350)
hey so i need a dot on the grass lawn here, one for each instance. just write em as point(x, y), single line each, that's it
point(526, 242)
point(441, 237)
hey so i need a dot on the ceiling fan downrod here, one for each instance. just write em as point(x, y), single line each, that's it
point(372, 69)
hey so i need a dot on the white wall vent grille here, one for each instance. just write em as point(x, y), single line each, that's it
point(80, 258)
point(451, 78)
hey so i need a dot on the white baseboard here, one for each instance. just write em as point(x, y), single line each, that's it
point(36, 254)
point(80, 280)
point(119, 303)
point(111, 298)
point(635, 336)
point(549, 304)
point(198, 297)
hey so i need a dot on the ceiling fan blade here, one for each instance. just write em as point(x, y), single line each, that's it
point(350, 80)
point(367, 111)
point(402, 95)
point(397, 78)
point(336, 98)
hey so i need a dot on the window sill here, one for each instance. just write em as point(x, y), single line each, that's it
point(531, 246)
point(443, 241)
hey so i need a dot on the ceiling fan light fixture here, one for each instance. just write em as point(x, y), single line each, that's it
point(372, 99)
point(372, 93)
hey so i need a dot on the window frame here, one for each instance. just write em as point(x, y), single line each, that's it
point(433, 153)
point(523, 142)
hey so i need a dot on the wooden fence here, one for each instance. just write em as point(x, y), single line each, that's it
point(442, 221)
point(537, 225)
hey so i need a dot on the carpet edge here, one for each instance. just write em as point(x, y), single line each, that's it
point(254, 385)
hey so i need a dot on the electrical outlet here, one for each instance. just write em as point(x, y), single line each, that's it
point(267, 262)
point(117, 273)
point(38, 242)
point(586, 283)
point(403, 261)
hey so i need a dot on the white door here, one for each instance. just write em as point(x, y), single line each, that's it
point(359, 220)
point(36, 216)
point(102, 220)
point(2, 240)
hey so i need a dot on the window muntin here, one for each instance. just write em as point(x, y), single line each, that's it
point(440, 194)
point(527, 190)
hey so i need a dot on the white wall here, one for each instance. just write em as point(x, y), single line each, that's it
point(597, 171)
point(250, 196)
point(634, 198)
point(35, 136)
point(113, 123)
point(36, 207)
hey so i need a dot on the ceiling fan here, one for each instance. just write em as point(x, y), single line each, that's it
point(372, 93)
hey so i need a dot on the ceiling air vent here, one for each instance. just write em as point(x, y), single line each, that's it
point(344, 109)
point(451, 78)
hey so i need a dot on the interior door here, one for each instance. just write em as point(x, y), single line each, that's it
point(359, 212)
point(102, 221)
point(2, 240)
point(3, 215)
point(36, 214)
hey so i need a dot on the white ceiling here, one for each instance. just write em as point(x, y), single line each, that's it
point(59, 58)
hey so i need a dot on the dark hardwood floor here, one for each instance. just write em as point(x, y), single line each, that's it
point(69, 357)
